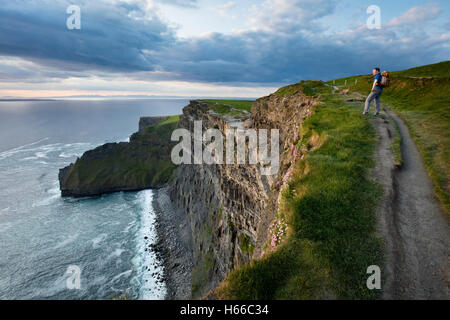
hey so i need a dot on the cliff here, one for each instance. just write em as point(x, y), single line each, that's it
point(142, 163)
point(231, 208)
point(305, 232)
point(145, 122)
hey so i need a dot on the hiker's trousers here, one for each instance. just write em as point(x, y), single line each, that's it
point(375, 94)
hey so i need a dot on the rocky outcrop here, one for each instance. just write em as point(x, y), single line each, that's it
point(142, 163)
point(145, 122)
point(231, 207)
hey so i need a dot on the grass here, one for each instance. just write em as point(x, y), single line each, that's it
point(308, 88)
point(421, 98)
point(329, 207)
point(233, 108)
point(246, 244)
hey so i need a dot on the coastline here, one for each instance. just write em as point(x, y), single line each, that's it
point(174, 245)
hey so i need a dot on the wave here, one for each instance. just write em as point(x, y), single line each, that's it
point(67, 155)
point(66, 241)
point(5, 226)
point(69, 150)
point(54, 195)
point(123, 274)
point(147, 263)
point(117, 253)
point(97, 240)
point(13, 151)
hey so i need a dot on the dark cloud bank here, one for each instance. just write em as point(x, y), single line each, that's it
point(125, 38)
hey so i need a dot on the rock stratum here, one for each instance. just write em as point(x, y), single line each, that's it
point(231, 207)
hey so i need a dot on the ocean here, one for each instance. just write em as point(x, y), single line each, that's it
point(65, 248)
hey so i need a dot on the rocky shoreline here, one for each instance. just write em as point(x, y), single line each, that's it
point(174, 246)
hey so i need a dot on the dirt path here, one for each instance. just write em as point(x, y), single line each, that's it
point(415, 228)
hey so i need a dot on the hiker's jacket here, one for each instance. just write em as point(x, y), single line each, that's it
point(378, 81)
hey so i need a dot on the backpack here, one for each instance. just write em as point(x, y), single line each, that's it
point(385, 80)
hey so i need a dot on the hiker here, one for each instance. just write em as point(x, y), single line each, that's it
point(377, 89)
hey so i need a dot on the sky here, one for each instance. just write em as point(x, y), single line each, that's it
point(209, 48)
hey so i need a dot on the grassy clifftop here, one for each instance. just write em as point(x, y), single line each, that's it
point(421, 97)
point(238, 109)
point(141, 163)
point(328, 210)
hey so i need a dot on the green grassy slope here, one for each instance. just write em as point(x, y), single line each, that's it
point(142, 162)
point(421, 97)
point(233, 108)
point(329, 209)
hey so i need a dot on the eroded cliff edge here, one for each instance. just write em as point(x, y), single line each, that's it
point(231, 208)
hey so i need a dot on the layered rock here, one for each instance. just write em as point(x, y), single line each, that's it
point(231, 207)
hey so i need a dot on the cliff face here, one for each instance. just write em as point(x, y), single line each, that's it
point(231, 207)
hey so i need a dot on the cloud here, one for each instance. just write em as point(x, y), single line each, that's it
point(225, 8)
point(127, 39)
point(416, 15)
point(290, 15)
point(181, 3)
point(113, 37)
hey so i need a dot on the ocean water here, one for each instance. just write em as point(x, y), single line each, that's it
point(44, 238)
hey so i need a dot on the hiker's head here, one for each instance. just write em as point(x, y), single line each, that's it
point(375, 71)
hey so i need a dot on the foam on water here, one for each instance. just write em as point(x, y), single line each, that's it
point(97, 240)
point(66, 241)
point(53, 195)
point(146, 261)
point(13, 151)
point(117, 253)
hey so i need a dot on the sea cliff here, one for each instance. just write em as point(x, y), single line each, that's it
point(230, 209)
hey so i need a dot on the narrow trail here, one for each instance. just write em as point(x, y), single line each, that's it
point(415, 228)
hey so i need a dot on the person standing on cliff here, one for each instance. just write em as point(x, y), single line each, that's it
point(375, 93)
